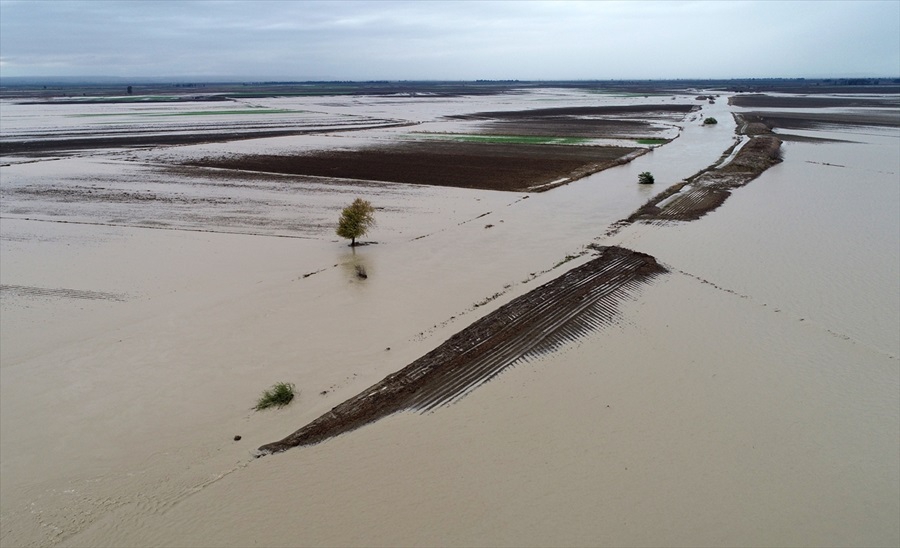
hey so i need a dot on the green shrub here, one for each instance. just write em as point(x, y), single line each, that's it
point(646, 178)
point(710, 121)
point(279, 395)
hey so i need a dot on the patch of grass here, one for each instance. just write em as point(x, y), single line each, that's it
point(279, 395)
point(651, 141)
point(506, 139)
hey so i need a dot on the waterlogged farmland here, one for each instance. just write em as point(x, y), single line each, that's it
point(701, 361)
point(79, 127)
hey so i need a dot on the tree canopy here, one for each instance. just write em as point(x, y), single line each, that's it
point(646, 178)
point(356, 219)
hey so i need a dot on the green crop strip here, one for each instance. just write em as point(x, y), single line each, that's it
point(651, 141)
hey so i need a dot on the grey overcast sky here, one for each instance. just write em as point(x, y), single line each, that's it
point(435, 40)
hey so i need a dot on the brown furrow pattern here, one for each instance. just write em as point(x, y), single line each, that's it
point(580, 301)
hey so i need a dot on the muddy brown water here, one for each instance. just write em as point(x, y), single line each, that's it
point(748, 397)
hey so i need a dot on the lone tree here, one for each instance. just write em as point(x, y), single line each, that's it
point(710, 121)
point(646, 178)
point(355, 220)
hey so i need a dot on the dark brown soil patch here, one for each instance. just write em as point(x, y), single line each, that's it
point(580, 301)
point(571, 127)
point(491, 166)
point(578, 112)
point(585, 122)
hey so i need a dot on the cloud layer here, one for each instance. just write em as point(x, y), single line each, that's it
point(449, 40)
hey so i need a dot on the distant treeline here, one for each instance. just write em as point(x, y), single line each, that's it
point(48, 88)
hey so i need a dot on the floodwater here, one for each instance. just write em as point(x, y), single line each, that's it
point(749, 397)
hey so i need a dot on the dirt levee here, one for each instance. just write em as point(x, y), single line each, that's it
point(492, 166)
point(710, 188)
point(580, 301)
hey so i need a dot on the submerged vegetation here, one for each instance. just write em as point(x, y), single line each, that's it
point(279, 395)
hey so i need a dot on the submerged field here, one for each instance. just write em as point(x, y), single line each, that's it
point(618, 374)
